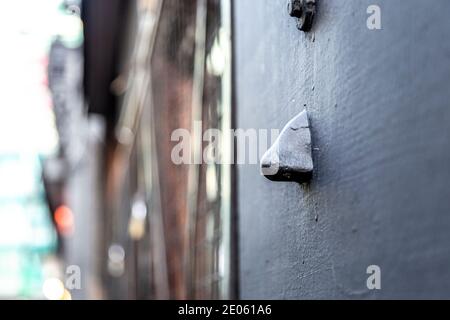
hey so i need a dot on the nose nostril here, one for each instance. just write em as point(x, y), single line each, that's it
point(266, 165)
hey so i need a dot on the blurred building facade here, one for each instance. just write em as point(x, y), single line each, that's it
point(143, 227)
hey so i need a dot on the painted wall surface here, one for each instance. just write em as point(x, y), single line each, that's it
point(379, 105)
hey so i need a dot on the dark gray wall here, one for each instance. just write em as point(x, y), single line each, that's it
point(380, 113)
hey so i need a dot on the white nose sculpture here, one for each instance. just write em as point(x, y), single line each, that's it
point(290, 157)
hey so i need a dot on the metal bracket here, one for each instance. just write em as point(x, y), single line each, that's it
point(290, 157)
point(304, 11)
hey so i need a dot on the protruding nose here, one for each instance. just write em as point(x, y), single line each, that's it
point(290, 157)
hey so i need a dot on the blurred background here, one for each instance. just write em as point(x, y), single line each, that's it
point(30, 135)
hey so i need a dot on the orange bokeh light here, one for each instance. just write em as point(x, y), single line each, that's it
point(64, 220)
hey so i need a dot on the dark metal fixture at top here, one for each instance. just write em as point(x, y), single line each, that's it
point(303, 11)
